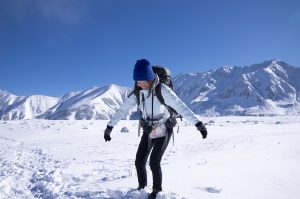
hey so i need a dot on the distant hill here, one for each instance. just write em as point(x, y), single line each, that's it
point(269, 88)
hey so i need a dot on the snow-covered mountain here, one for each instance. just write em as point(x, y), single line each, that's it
point(270, 88)
point(93, 103)
point(14, 107)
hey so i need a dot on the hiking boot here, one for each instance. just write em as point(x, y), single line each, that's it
point(140, 188)
point(153, 194)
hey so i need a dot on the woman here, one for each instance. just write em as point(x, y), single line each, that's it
point(156, 122)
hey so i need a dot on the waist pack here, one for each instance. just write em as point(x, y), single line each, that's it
point(158, 129)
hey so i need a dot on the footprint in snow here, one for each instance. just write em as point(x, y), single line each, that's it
point(202, 162)
point(27, 172)
point(210, 189)
point(87, 194)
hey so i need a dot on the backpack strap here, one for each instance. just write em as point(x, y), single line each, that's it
point(162, 101)
point(158, 94)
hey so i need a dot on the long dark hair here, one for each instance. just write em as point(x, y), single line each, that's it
point(137, 88)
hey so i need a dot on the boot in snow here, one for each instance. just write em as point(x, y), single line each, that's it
point(140, 187)
point(153, 194)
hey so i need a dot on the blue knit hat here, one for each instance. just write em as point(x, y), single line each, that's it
point(143, 71)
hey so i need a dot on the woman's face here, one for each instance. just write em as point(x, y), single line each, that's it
point(143, 84)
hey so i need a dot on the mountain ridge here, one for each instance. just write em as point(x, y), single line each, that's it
point(269, 88)
point(241, 90)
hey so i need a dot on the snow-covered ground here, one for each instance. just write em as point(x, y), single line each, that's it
point(243, 157)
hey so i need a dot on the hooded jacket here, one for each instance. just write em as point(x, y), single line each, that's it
point(160, 112)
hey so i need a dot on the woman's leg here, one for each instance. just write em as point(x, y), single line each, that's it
point(141, 159)
point(160, 145)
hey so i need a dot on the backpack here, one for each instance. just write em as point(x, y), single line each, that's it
point(164, 75)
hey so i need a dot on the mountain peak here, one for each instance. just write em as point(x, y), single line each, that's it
point(268, 88)
point(115, 86)
point(273, 62)
point(3, 93)
point(249, 88)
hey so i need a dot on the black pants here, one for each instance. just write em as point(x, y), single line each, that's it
point(159, 146)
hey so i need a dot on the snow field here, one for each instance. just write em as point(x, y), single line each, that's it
point(243, 157)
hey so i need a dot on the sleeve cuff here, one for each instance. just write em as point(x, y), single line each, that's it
point(109, 127)
point(199, 124)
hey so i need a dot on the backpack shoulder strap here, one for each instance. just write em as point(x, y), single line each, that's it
point(158, 94)
point(162, 101)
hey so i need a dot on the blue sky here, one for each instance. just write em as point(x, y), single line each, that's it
point(58, 46)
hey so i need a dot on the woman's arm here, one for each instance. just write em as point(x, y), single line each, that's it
point(121, 113)
point(171, 99)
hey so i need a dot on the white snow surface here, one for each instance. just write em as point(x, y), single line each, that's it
point(243, 157)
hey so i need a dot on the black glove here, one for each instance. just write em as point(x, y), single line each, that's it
point(202, 129)
point(171, 122)
point(107, 133)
